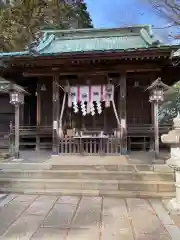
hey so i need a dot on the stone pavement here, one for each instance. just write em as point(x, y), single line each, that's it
point(24, 217)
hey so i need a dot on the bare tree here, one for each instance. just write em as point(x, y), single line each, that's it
point(169, 9)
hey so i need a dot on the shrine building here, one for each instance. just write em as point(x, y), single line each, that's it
point(87, 90)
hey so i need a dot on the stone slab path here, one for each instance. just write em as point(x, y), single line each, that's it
point(25, 217)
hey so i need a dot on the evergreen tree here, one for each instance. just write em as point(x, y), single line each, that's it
point(22, 20)
point(171, 104)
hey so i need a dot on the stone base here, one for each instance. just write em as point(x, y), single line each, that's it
point(173, 206)
point(171, 162)
point(2, 196)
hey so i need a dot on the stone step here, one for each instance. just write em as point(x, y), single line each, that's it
point(87, 184)
point(114, 167)
point(108, 167)
point(88, 174)
point(81, 192)
point(97, 167)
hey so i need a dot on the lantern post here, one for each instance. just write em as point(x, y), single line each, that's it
point(156, 96)
point(16, 99)
point(16, 95)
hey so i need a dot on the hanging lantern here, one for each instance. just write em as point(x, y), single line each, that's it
point(109, 87)
point(107, 104)
point(43, 88)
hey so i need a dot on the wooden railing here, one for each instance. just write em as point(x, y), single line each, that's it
point(4, 141)
point(71, 146)
point(142, 137)
point(33, 130)
point(136, 135)
point(131, 129)
point(147, 129)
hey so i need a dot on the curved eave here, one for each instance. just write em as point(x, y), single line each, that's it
point(46, 41)
point(176, 54)
point(121, 51)
point(14, 54)
point(175, 57)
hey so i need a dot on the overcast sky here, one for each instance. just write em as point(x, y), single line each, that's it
point(118, 13)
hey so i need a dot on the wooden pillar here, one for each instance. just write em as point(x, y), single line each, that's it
point(122, 112)
point(56, 111)
point(38, 114)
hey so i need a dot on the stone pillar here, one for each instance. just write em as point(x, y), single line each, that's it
point(122, 112)
point(55, 99)
point(173, 138)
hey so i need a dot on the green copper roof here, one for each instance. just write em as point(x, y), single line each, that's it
point(88, 40)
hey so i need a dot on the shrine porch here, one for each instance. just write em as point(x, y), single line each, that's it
point(44, 157)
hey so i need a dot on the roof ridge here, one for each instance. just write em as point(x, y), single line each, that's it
point(50, 30)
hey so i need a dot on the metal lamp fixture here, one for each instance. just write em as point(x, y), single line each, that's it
point(157, 95)
point(16, 98)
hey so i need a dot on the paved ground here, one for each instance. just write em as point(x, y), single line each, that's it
point(85, 218)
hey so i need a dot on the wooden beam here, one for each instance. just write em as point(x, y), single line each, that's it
point(84, 70)
point(69, 57)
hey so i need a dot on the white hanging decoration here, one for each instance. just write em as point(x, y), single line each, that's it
point(83, 108)
point(75, 107)
point(99, 108)
point(72, 96)
point(92, 109)
point(87, 96)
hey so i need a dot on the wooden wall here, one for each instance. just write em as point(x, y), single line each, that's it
point(6, 113)
point(137, 105)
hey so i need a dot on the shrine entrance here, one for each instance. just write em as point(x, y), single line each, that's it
point(87, 134)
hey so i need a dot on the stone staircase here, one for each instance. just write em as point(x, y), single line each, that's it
point(90, 180)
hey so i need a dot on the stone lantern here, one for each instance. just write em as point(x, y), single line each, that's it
point(16, 95)
point(173, 139)
point(16, 99)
